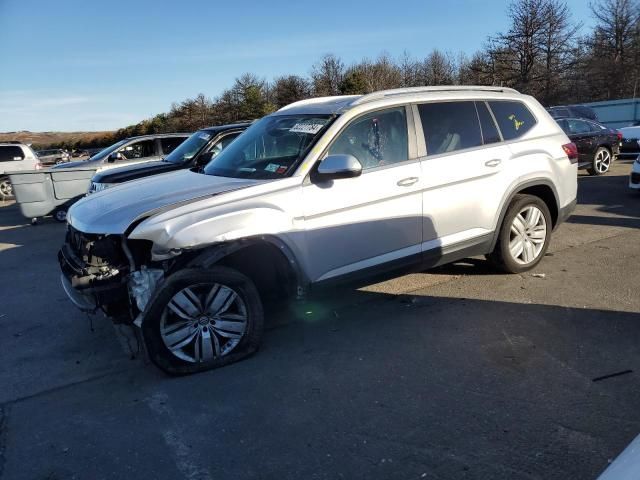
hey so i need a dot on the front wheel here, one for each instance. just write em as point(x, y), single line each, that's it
point(203, 319)
point(524, 235)
point(601, 162)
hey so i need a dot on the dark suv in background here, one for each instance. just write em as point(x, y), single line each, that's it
point(195, 151)
point(598, 145)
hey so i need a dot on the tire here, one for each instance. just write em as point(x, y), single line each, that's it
point(6, 189)
point(184, 336)
point(602, 161)
point(60, 215)
point(533, 246)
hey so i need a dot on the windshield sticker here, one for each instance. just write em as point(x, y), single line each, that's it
point(281, 169)
point(310, 128)
point(204, 136)
point(516, 122)
point(272, 167)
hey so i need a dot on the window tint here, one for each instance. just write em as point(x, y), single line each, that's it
point(578, 127)
point(10, 153)
point(142, 149)
point(376, 139)
point(488, 126)
point(564, 126)
point(514, 118)
point(169, 144)
point(595, 127)
point(450, 126)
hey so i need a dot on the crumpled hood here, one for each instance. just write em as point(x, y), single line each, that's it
point(112, 211)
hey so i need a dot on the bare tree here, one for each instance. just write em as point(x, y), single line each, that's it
point(326, 76)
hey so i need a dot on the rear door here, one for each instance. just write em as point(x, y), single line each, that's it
point(584, 137)
point(463, 162)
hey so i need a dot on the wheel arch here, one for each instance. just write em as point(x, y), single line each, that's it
point(267, 260)
point(542, 188)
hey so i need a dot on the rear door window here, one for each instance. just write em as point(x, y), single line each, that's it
point(514, 118)
point(487, 125)
point(577, 127)
point(450, 126)
point(10, 153)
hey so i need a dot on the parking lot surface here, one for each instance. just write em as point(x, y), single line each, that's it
point(458, 372)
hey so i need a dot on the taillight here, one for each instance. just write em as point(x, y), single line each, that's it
point(619, 136)
point(39, 166)
point(572, 152)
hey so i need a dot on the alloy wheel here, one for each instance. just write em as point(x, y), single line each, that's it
point(602, 161)
point(6, 189)
point(528, 235)
point(203, 322)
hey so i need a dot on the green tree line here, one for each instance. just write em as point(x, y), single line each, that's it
point(544, 53)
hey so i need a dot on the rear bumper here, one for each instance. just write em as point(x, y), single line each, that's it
point(566, 211)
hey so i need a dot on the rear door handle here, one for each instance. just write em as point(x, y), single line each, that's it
point(493, 163)
point(407, 182)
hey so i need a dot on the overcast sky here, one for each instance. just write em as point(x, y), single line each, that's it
point(83, 65)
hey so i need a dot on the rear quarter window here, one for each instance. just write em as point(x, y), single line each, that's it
point(514, 118)
point(11, 153)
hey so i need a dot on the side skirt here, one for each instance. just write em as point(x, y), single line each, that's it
point(411, 264)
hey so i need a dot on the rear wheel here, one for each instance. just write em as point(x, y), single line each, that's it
point(203, 319)
point(6, 189)
point(524, 235)
point(601, 162)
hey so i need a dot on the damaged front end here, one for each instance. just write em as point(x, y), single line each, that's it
point(108, 273)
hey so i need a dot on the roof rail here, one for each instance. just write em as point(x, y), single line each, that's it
point(444, 88)
point(311, 101)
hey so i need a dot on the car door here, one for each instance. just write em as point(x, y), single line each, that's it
point(374, 219)
point(581, 134)
point(463, 174)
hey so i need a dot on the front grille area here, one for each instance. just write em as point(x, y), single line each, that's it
point(96, 250)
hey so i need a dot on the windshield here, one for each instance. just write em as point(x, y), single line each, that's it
point(189, 148)
point(107, 151)
point(270, 148)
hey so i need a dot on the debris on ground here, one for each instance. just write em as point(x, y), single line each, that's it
point(611, 375)
point(539, 275)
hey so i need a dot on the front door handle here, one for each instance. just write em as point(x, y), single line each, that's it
point(407, 182)
point(493, 163)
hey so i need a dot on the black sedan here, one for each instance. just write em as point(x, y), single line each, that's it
point(195, 151)
point(598, 145)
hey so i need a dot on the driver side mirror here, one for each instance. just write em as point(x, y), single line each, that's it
point(334, 167)
point(114, 156)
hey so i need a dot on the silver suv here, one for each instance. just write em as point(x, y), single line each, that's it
point(14, 156)
point(320, 191)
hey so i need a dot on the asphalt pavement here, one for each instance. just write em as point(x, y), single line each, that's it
point(454, 373)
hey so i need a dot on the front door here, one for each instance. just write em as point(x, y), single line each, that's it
point(371, 220)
